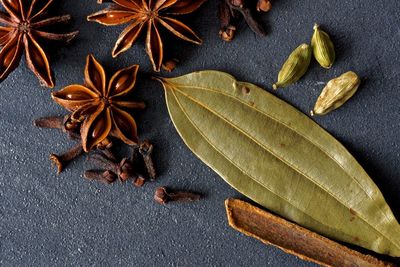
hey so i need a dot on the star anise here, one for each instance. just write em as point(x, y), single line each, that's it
point(100, 105)
point(22, 31)
point(147, 15)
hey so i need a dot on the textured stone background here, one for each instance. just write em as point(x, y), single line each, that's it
point(47, 219)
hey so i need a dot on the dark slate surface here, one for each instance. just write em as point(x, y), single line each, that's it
point(47, 219)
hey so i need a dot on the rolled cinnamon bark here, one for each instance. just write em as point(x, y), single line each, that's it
point(292, 238)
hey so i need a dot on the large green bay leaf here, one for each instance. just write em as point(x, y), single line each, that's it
point(279, 158)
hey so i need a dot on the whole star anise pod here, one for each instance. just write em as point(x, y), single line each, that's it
point(147, 15)
point(100, 105)
point(22, 31)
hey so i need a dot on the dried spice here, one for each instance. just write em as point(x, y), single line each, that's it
point(100, 105)
point(336, 93)
point(323, 49)
point(170, 65)
point(106, 177)
point(264, 5)
point(148, 15)
point(63, 160)
point(111, 168)
point(122, 169)
point(146, 150)
point(98, 116)
point(230, 13)
point(139, 181)
point(22, 31)
point(294, 67)
point(162, 196)
point(293, 239)
point(280, 158)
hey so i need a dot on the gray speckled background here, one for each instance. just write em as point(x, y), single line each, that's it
point(47, 219)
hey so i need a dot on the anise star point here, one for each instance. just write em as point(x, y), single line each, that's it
point(21, 30)
point(100, 105)
point(147, 15)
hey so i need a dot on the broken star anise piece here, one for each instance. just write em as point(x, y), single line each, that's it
point(20, 30)
point(100, 105)
point(147, 15)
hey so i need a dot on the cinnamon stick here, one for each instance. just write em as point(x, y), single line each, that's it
point(292, 238)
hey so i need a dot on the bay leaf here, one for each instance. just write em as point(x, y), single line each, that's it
point(281, 159)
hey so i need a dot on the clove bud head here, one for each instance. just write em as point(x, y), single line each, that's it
point(161, 195)
point(264, 5)
point(125, 170)
point(237, 3)
point(139, 181)
point(58, 162)
point(170, 65)
point(227, 34)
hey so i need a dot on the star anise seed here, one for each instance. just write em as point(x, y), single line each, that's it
point(147, 15)
point(100, 104)
point(20, 30)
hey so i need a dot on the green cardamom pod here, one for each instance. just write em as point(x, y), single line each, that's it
point(336, 93)
point(294, 67)
point(324, 51)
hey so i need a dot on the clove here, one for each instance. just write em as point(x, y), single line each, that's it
point(228, 21)
point(106, 177)
point(163, 195)
point(61, 161)
point(247, 13)
point(54, 122)
point(230, 11)
point(63, 123)
point(146, 150)
point(123, 169)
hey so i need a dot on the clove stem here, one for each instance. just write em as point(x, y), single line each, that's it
point(146, 150)
point(163, 195)
point(106, 177)
point(54, 122)
point(240, 5)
